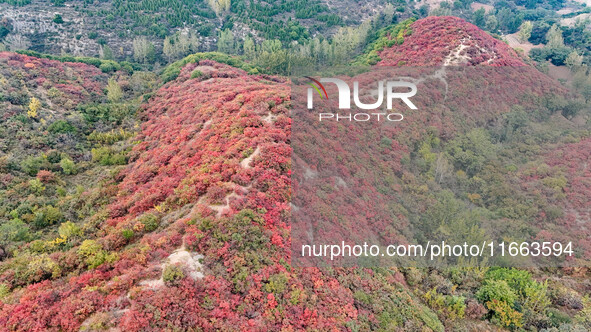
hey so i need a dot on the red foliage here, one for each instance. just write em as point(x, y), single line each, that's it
point(80, 81)
point(434, 38)
point(571, 162)
point(45, 176)
point(209, 151)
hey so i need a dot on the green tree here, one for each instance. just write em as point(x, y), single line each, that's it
point(14, 230)
point(249, 49)
point(114, 93)
point(57, 19)
point(554, 37)
point(582, 83)
point(492, 24)
point(219, 6)
point(106, 53)
point(68, 166)
point(69, 229)
point(180, 45)
point(143, 50)
point(168, 48)
point(574, 60)
point(226, 42)
point(525, 31)
point(479, 18)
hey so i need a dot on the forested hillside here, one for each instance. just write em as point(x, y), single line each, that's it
point(155, 33)
point(139, 202)
point(152, 32)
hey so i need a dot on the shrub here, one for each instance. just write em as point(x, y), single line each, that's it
point(474, 310)
point(37, 246)
point(61, 191)
point(449, 306)
point(89, 248)
point(69, 229)
point(173, 70)
point(362, 297)
point(557, 183)
point(53, 156)
point(46, 216)
point(68, 58)
point(45, 176)
point(572, 108)
point(68, 166)
point(172, 274)
point(150, 222)
point(497, 290)
point(584, 316)
point(170, 74)
point(532, 295)
point(4, 291)
point(93, 254)
point(31, 165)
point(508, 289)
point(413, 276)
point(469, 152)
point(61, 127)
point(111, 112)
point(109, 137)
point(57, 19)
point(36, 186)
point(516, 279)
point(14, 230)
point(558, 318)
point(127, 234)
point(535, 297)
point(34, 268)
point(107, 156)
point(54, 93)
point(196, 74)
point(504, 314)
point(566, 297)
point(277, 283)
point(107, 67)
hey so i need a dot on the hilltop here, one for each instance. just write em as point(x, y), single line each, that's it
point(436, 41)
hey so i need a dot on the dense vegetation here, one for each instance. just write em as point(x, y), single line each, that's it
point(538, 22)
point(62, 121)
point(270, 19)
point(183, 221)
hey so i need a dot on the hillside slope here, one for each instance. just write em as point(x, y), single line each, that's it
point(87, 29)
point(194, 232)
point(453, 167)
point(447, 40)
point(209, 179)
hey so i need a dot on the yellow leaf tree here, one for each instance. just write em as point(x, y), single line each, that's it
point(114, 93)
point(34, 106)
